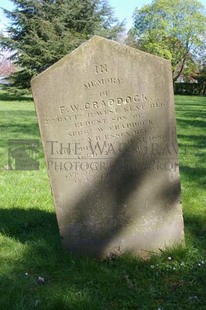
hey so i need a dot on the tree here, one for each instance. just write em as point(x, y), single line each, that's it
point(173, 29)
point(43, 31)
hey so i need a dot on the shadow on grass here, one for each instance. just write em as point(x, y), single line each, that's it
point(195, 140)
point(185, 123)
point(191, 114)
point(190, 107)
point(196, 226)
point(194, 154)
point(26, 224)
point(195, 175)
point(4, 96)
point(193, 148)
point(22, 129)
point(74, 283)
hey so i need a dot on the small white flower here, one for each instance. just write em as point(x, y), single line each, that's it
point(40, 280)
point(152, 266)
point(202, 262)
point(169, 258)
point(199, 264)
point(26, 274)
point(174, 268)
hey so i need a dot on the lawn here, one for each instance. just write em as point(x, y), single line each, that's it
point(36, 273)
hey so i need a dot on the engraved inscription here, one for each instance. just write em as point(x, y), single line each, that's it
point(128, 116)
point(107, 122)
point(101, 69)
point(102, 82)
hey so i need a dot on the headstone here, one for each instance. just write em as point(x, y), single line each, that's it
point(107, 122)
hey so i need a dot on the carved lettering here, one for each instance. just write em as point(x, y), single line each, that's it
point(101, 69)
point(102, 82)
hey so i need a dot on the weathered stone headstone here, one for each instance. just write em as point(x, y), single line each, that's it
point(107, 122)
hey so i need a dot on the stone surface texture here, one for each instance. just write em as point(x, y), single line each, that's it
point(107, 122)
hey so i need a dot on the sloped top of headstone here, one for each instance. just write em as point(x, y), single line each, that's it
point(95, 43)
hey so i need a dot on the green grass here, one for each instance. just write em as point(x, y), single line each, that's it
point(30, 244)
